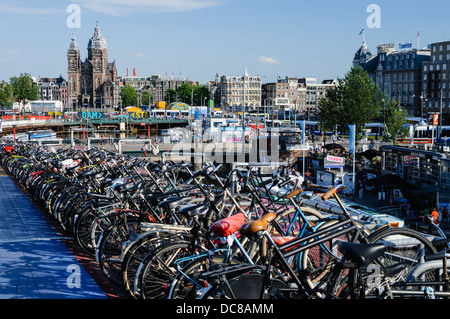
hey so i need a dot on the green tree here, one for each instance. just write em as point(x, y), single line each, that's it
point(185, 93)
point(128, 96)
point(6, 95)
point(200, 93)
point(171, 96)
point(355, 100)
point(395, 118)
point(146, 98)
point(24, 89)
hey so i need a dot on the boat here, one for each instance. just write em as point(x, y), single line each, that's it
point(41, 134)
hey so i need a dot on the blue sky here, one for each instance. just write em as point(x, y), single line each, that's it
point(196, 38)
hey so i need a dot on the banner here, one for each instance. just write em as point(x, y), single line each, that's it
point(352, 139)
point(302, 125)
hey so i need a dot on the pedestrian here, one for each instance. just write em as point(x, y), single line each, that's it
point(144, 148)
point(435, 215)
point(403, 210)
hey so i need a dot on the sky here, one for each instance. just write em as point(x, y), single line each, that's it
point(196, 39)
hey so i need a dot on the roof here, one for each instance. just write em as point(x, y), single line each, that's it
point(97, 41)
point(178, 106)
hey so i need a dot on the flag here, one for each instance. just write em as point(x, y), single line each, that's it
point(362, 31)
point(352, 138)
point(418, 33)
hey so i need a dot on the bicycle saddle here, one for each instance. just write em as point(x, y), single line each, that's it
point(256, 226)
point(361, 254)
point(194, 210)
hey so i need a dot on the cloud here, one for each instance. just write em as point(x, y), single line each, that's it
point(126, 7)
point(9, 56)
point(267, 60)
point(141, 55)
point(6, 8)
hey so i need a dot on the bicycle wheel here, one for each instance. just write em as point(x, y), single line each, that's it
point(427, 274)
point(160, 269)
point(314, 264)
point(186, 284)
point(110, 250)
point(252, 285)
point(135, 254)
point(403, 245)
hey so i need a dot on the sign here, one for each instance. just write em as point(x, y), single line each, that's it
point(433, 118)
point(138, 115)
point(91, 115)
point(405, 45)
point(334, 161)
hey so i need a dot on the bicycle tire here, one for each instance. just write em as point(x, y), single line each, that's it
point(183, 286)
point(159, 270)
point(315, 263)
point(135, 254)
point(402, 245)
point(110, 250)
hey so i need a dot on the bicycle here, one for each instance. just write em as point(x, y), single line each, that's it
point(277, 279)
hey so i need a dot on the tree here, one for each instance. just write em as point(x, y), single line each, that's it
point(6, 95)
point(24, 89)
point(128, 96)
point(185, 93)
point(395, 118)
point(355, 100)
point(146, 98)
point(200, 93)
point(171, 96)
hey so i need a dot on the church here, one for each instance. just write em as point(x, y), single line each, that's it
point(92, 83)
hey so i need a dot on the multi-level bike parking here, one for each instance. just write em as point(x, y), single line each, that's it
point(164, 230)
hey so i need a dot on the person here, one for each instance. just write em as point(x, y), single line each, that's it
point(144, 148)
point(403, 210)
point(435, 215)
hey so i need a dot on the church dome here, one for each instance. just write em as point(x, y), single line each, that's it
point(97, 41)
point(73, 43)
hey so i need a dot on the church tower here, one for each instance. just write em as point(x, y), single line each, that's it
point(73, 73)
point(98, 56)
point(92, 81)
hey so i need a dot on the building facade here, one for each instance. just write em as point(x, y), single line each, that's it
point(283, 93)
point(398, 73)
point(92, 83)
point(436, 81)
point(311, 92)
point(53, 89)
point(237, 91)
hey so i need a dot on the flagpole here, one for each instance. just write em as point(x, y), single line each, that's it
point(418, 40)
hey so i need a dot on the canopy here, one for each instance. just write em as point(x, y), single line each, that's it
point(334, 146)
point(178, 106)
point(369, 154)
